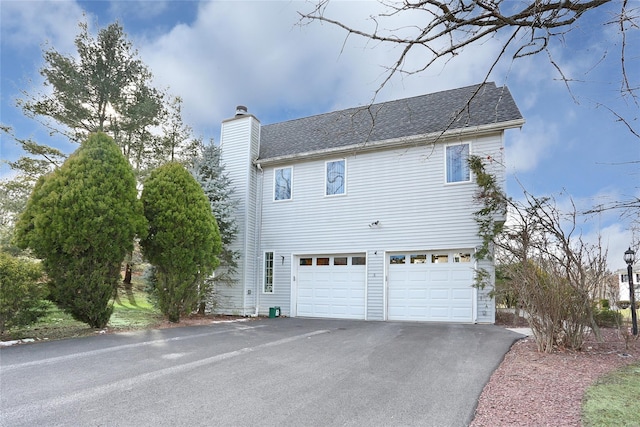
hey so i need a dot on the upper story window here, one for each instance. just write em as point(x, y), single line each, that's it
point(457, 157)
point(282, 184)
point(335, 177)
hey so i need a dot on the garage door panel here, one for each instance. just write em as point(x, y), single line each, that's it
point(417, 276)
point(416, 313)
point(304, 294)
point(340, 277)
point(304, 307)
point(334, 291)
point(321, 293)
point(339, 311)
point(338, 294)
point(430, 291)
point(305, 276)
point(462, 275)
point(417, 294)
point(398, 295)
point(465, 295)
point(440, 313)
point(440, 294)
point(438, 276)
point(461, 312)
point(320, 309)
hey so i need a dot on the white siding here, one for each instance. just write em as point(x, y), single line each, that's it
point(404, 189)
point(239, 144)
point(281, 278)
point(253, 256)
point(375, 285)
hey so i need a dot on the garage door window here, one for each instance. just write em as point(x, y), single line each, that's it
point(306, 261)
point(418, 259)
point(396, 259)
point(462, 257)
point(359, 260)
point(440, 258)
point(322, 261)
point(340, 260)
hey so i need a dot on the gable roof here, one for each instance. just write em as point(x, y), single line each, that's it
point(431, 114)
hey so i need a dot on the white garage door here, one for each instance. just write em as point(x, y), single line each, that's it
point(431, 286)
point(331, 286)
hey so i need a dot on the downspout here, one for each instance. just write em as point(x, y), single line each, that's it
point(258, 240)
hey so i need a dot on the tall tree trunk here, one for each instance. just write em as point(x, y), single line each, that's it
point(127, 275)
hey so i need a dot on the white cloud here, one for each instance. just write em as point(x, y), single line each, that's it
point(26, 24)
point(525, 150)
point(256, 54)
point(615, 239)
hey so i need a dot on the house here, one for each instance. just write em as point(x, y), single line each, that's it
point(365, 213)
point(623, 284)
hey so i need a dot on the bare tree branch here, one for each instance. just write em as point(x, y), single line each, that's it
point(449, 26)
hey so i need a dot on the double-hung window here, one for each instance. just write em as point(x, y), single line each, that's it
point(282, 184)
point(267, 285)
point(335, 178)
point(457, 157)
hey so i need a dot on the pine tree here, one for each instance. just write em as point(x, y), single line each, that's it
point(183, 240)
point(209, 172)
point(104, 88)
point(81, 220)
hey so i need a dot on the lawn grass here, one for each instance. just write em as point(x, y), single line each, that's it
point(56, 324)
point(131, 310)
point(613, 399)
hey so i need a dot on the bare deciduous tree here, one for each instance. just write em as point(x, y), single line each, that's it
point(545, 264)
point(553, 271)
point(444, 28)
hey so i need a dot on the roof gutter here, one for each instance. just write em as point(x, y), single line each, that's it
point(413, 140)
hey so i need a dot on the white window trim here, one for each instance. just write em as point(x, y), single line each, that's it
point(445, 163)
point(273, 272)
point(275, 170)
point(344, 193)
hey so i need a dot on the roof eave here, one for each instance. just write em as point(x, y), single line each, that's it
point(445, 136)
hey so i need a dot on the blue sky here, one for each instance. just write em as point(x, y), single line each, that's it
point(217, 55)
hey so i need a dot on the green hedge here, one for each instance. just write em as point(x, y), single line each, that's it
point(22, 292)
point(608, 318)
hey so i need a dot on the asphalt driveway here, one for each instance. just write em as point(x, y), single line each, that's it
point(268, 372)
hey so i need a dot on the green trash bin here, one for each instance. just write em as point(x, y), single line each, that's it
point(274, 312)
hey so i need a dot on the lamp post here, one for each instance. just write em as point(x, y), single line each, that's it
point(630, 258)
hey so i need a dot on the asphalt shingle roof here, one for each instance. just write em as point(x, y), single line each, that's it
point(420, 115)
